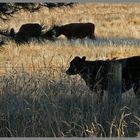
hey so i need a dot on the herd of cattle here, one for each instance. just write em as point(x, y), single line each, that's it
point(35, 30)
point(93, 72)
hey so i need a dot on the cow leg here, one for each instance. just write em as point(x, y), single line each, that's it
point(92, 37)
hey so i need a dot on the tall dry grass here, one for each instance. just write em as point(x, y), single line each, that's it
point(38, 99)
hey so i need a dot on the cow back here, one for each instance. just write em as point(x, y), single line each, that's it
point(131, 67)
point(77, 30)
point(30, 30)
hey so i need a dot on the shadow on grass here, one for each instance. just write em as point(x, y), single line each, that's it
point(86, 42)
point(117, 41)
point(108, 41)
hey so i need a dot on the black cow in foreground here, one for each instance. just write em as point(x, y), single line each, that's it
point(74, 30)
point(95, 73)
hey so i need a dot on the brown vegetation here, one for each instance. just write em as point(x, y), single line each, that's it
point(37, 98)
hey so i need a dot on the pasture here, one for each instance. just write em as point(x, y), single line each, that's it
point(38, 99)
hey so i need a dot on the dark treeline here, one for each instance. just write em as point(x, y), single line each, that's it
point(7, 9)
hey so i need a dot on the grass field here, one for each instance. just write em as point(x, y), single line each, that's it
point(38, 99)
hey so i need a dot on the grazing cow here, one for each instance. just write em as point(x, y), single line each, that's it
point(30, 30)
point(75, 30)
point(95, 73)
point(26, 32)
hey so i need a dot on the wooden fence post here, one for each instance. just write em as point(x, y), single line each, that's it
point(113, 103)
point(114, 86)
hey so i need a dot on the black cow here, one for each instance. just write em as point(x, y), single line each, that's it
point(30, 30)
point(75, 30)
point(26, 32)
point(95, 73)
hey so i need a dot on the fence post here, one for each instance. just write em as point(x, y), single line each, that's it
point(114, 87)
point(113, 103)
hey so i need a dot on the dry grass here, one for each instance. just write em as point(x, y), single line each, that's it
point(39, 99)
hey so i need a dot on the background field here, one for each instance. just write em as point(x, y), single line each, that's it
point(37, 98)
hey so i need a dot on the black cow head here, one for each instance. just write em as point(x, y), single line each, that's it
point(56, 30)
point(52, 32)
point(76, 65)
point(49, 34)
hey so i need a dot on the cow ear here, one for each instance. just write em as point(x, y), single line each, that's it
point(83, 58)
point(77, 58)
point(54, 26)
